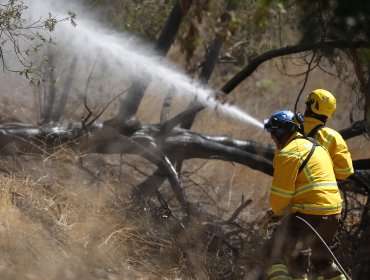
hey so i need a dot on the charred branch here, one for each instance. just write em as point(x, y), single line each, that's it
point(49, 98)
point(361, 164)
point(237, 211)
point(144, 140)
point(131, 103)
point(264, 150)
point(150, 185)
point(107, 140)
point(187, 145)
point(209, 64)
point(213, 53)
point(170, 29)
point(356, 129)
point(181, 118)
point(257, 61)
point(165, 111)
point(56, 115)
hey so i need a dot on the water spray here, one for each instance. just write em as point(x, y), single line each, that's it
point(127, 55)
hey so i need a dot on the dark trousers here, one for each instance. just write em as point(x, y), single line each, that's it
point(295, 244)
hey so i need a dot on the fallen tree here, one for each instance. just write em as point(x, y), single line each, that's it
point(148, 141)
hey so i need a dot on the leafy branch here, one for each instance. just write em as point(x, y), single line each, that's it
point(21, 38)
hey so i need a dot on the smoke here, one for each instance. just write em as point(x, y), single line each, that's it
point(124, 56)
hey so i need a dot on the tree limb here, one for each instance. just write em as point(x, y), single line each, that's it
point(257, 61)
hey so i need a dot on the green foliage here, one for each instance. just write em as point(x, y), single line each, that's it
point(365, 56)
point(352, 19)
point(190, 41)
point(143, 18)
point(11, 15)
point(16, 29)
point(334, 20)
point(264, 3)
point(341, 20)
point(202, 8)
point(263, 25)
point(72, 18)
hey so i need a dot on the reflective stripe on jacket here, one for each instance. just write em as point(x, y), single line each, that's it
point(334, 143)
point(312, 191)
point(278, 271)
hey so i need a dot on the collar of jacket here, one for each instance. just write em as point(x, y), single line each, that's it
point(313, 120)
point(295, 134)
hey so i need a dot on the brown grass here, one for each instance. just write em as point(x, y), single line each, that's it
point(66, 224)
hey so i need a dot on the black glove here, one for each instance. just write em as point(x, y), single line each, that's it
point(272, 217)
point(272, 221)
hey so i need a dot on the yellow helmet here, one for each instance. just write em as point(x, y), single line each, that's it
point(321, 102)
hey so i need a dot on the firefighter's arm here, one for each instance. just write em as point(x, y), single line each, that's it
point(283, 183)
point(341, 157)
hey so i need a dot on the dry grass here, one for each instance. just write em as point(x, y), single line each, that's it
point(60, 220)
point(66, 224)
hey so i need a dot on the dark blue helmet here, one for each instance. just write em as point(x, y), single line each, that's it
point(281, 123)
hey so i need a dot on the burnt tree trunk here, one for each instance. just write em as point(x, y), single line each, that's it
point(62, 104)
point(210, 60)
point(131, 103)
point(49, 95)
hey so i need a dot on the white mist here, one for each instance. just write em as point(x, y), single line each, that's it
point(127, 55)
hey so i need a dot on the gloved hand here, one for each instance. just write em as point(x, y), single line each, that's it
point(271, 222)
point(271, 217)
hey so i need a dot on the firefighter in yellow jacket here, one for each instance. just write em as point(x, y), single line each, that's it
point(320, 106)
point(303, 186)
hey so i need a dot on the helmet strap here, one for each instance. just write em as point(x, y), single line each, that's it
point(309, 113)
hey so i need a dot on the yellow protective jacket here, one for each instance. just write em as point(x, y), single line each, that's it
point(314, 190)
point(334, 143)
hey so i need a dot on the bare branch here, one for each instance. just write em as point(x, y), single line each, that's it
point(257, 61)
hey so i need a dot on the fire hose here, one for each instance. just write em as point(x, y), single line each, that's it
point(326, 246)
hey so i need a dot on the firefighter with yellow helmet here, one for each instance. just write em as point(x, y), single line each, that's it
point(303, 187)
point(320, 106)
